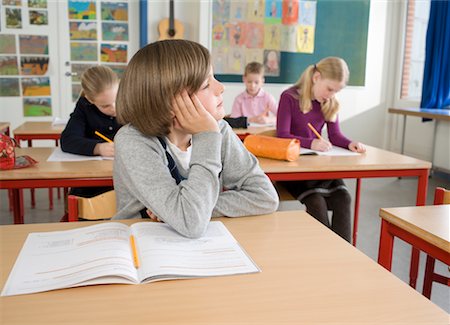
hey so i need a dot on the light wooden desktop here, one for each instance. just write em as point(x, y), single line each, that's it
point(52, 174)
point(309, 276)
point(4, 127)
point(425, 227)
point(29, 131)
point(243, 133)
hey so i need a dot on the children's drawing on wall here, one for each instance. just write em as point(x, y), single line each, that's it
point(271, 63)
point(76, 90)
point(37, 107)
point(238, 10)
point(115, 31)
point(37, 3)
point(272, 36)
point(33, 65)
point(83, 51)
point(115, 11)
point(113, 53)
point(273, 11)
point(290, 12)
point(84, 10)
point(13, 18)
point(9, 87)
point(38, 17)
point(255, 10)
point(254, 55)
point(83, 31)
point(305, 42)
point(36, 86)
point(8, 65)
point(7, 44)
point(78, 69)
point(16, 3)
point(33, 44)
point(269, 26)
point(118, 69)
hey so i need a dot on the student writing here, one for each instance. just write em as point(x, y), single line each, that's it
point(258, 105)
point(312, 100)
point(95, 110)
point(188, 164)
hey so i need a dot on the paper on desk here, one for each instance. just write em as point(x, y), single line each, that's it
point(253, 124)
point(59, 155)
point(59, 121)
point(334, 151)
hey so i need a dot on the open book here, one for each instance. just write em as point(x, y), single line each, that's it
point(103, 253)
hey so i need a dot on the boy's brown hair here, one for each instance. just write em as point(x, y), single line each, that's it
point(154, 76)
point(254, 67)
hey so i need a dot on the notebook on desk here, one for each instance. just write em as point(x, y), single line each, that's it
point(334, 151)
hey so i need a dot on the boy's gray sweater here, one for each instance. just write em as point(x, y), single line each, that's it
point(224, 180)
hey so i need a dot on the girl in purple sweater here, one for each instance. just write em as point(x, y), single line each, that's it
point(312, 100)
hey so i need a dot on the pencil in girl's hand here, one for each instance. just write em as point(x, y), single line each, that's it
point(103, 137)
point(315, 131)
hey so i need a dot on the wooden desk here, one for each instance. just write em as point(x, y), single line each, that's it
point(309, 276)
point(53, 174)
point(435, 114)
point(426, 228)
point(243, 133)
point(29, 131)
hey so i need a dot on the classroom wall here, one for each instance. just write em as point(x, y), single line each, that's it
point(364, 115)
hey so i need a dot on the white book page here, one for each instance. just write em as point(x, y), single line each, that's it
point(165, 254)
point(59, 155)
point(334, 151)
point(254, 124)
point(62, 259)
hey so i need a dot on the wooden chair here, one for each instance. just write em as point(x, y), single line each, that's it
point(100, 207)
point(441, 196)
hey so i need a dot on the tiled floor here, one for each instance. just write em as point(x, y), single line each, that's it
point(375, 194)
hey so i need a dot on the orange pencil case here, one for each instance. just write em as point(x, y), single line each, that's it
point(271, 147)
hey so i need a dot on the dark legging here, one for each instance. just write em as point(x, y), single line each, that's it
point(339, 202)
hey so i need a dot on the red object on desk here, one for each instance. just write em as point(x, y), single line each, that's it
point(7, 152)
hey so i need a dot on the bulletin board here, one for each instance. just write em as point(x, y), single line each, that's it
point(341, 30)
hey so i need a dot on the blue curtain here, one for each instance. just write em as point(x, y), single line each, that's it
point(436, 75)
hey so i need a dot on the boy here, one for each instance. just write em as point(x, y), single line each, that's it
point(259, 106)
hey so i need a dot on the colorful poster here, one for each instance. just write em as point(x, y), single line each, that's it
point(33, 65)
point(83, 31)
point(9, 87)
point(7, 44)
point(36, 86)
point(37, 107)
point(272, 36)
point(221, 11)
point(113, 53)
point(38, 17)
point(273, 11)
point(305, 39)
point(37, 3)
point(83, 51)
point(290, 12)
point(115, 11)
point(33, 44)
point(237, 31)
point(220, 59)
point(255, 36)
point(8, 65)
point(115, 31)
point(13, 18)
point(78, 69)
point(255, 10)
point(307, 13)
point(85, 10)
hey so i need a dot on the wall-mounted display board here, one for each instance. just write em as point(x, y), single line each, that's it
point(331, 28)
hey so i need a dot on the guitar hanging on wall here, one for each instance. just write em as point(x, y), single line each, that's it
point(170, 28)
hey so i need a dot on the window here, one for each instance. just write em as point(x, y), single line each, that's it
point(414, 49)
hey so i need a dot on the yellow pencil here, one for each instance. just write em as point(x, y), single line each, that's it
point(314, 130)
point(103, 137)
point(134, 250)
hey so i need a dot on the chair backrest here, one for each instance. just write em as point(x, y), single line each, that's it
point(100, 207)
point(441, 196)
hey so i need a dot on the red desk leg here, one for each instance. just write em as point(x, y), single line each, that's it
point(356, 214)
point(421, 199)
point(17, 200)
point(386, 246)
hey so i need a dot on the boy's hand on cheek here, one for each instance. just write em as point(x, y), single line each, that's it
point(191, 116)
